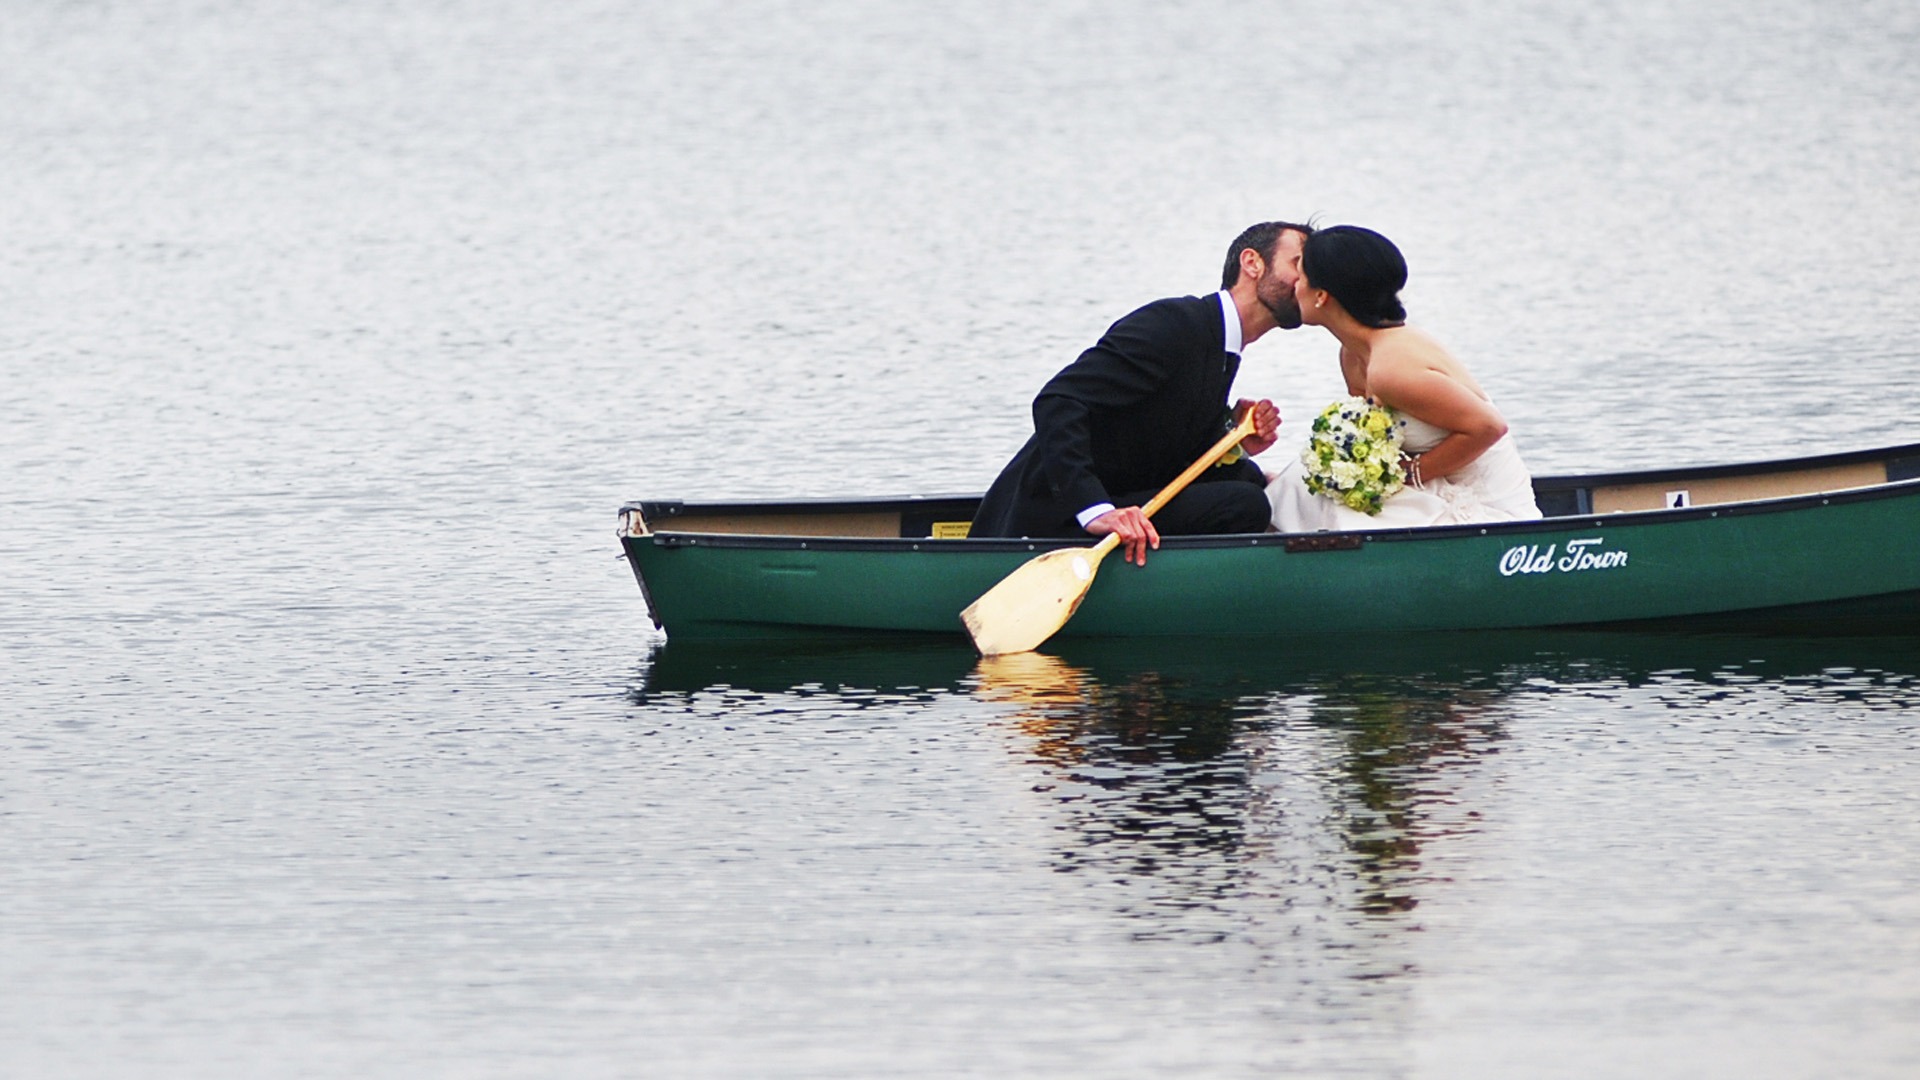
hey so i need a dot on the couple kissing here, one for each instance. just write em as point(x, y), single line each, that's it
point(1418, 442)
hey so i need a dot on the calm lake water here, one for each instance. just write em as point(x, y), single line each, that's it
point(336, 738)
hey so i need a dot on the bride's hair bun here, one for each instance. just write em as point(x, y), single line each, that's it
point(1361, 269)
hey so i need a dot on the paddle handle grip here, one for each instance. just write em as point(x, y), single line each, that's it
point(1227, 442)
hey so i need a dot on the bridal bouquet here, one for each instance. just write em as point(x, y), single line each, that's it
point(1353, 455)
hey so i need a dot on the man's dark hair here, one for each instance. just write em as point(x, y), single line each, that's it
point(1262, 238)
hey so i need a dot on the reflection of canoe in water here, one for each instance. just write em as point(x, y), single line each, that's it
point(1822, 543)
point(1227, 668)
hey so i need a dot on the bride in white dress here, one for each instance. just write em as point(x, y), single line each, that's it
point(1461, 463)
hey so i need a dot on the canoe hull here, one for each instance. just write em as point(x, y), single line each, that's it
point(1848, 561)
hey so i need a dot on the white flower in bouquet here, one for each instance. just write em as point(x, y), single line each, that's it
point(1353, 455)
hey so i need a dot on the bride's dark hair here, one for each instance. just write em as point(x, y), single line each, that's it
point(1361, 269)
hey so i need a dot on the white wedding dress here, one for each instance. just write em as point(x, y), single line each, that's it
point(1494, 487)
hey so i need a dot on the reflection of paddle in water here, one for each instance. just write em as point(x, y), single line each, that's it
point(1045, 689)
point(1031, 678)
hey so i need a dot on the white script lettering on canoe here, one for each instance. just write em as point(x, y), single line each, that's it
point(1587, 554)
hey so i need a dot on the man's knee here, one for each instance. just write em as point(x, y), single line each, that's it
point(1242, 509)
point(1223, 507)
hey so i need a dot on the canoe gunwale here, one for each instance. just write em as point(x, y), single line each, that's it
point(1901, 464)
point(667, 537)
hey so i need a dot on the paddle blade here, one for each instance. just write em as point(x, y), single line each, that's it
point(1032, 602)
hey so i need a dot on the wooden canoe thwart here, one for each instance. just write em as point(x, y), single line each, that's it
point(1812, 544)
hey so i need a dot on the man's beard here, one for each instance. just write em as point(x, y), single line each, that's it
point(1285, 310)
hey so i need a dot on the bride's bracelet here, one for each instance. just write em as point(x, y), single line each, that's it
point(1413, 471)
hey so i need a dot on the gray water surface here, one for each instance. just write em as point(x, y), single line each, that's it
point(336, 739)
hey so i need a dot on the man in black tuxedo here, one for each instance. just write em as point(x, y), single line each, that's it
point(1119, 423)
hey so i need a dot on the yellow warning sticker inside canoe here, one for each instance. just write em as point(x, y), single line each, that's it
point(951, 530)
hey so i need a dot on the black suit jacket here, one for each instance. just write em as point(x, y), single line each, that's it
point(1125, 418)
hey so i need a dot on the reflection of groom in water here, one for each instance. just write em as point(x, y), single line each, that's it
point(1122, 421)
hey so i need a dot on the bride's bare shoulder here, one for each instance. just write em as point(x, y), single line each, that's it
point(1407, 343)
point(1406, 358)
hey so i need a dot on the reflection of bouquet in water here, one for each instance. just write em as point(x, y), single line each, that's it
point(1354, 454)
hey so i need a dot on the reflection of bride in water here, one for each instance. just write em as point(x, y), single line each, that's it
point(1228, 808)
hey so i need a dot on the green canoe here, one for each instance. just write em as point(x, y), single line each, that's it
point(1829, 542)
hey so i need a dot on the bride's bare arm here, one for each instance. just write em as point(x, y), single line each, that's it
point(1424, 391)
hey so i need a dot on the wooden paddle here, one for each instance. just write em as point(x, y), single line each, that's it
point(1032, 603)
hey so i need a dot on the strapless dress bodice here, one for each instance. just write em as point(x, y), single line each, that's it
point(1417, 436)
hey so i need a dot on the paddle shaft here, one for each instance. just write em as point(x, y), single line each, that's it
point(1227, 442)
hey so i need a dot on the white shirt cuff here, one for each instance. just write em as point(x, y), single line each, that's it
point(1086, 516)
